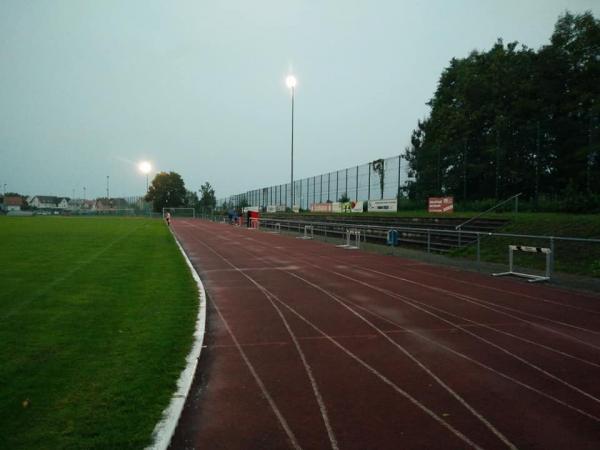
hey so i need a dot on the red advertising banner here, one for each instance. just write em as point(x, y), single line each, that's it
point(321, 207)
point(441, 204)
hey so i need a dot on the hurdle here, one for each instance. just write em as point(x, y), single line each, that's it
point(349, 233)
point(308, 229)
point(531, 278)
point(276, 228)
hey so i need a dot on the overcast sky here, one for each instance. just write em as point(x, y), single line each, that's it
point(89, 88)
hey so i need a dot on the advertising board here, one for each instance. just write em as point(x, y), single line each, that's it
point(441, 204)
point(390, 205)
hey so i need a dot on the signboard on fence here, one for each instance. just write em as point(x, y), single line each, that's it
point(250, 208)
point(275, 208)
point(357, 206)
point(321, 207)
point(441, 204)
point(390, 205)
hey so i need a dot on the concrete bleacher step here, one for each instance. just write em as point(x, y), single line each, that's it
point(439, 241)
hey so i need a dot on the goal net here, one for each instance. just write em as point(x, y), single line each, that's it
point(179, 212)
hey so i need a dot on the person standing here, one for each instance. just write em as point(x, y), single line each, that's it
point(168, 218)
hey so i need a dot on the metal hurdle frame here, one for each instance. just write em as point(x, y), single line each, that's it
point(254, 223)
point(276, 228)
point(308, 228)
point(531, 278)
point(349, 233)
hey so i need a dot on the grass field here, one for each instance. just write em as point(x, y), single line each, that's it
point(96, 318)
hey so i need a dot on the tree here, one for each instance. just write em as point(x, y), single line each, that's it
point(167, 191)
point(512, 119)
point(191, 200)
point(378, 167)
point(208, 201)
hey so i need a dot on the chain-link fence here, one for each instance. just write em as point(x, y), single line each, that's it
point(381, 179)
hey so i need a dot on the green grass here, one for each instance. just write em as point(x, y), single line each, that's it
point(96, 317)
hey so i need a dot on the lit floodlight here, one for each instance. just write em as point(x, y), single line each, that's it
point(145, 167)
point(290, 81)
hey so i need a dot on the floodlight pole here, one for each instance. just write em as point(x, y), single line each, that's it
point(292, 172)
point(107, 188)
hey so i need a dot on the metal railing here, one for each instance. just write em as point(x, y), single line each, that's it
point(516, 197)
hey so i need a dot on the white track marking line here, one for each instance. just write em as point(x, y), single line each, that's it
point(414, 303)
point(405, 394)
point(260, 383)
point(313, 381)
point(506, 333)
point(308, 369)
point(564, 335)
point(486, 305)
point(473, 299)
point(506, 291)
point(479, 324)
point(409, 301)
point(480, 364)
point(483, 325)
point(415, 360)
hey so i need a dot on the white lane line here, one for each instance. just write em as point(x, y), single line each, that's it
point(477, 363)
point(415, 304)
point(415, 360)
point(356, 358)
point(480, 324)
point(477, 324)
point(409, 301)
point(307, 368)
point(165, 428)
point(564, 335)
point(506, 291)
point(486, 305)
point(260, 383)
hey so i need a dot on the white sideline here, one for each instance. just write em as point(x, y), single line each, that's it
point(164, 430)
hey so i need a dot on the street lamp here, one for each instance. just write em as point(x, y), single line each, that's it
point(145, 167)
point(291, 82)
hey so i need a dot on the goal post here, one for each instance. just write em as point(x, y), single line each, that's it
point(179, 212)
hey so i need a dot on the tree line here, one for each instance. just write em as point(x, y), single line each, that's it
point(513, 119)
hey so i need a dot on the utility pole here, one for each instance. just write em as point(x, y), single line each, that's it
point(108, 188)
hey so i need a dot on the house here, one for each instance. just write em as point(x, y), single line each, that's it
point(103, 204)
point(62, 203)
point(44, 202)
point(80, 204)
point(12, 203)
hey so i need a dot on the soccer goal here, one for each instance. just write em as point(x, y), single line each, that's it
point(180, 212)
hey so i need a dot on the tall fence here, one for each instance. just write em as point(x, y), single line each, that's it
point(380, 179)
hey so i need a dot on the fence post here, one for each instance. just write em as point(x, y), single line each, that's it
point(369, 191)
point(356, 184)
point(478, 251)
point(428, 241)
point(321, 190)
point(551, 255)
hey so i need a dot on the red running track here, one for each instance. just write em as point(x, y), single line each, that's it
point(314, 346)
